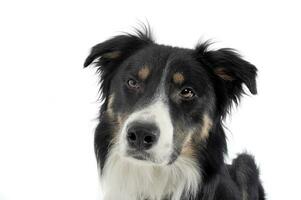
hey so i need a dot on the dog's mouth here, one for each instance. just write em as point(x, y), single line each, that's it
point(147, 157)
point(139, 155)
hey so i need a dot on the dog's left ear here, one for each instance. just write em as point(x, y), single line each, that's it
point(229, 70)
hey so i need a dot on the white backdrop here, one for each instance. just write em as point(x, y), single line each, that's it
point(48, 102)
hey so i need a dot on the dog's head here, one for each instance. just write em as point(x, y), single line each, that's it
point(163, 101)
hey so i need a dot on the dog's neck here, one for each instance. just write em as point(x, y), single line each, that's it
point(127, 180)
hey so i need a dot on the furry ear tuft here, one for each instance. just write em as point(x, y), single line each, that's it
point(223, 74)
point(229, 72)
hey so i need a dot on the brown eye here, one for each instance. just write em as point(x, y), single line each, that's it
point(133, 84)
point(187, 93)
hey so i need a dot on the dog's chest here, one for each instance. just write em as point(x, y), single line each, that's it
point(123, 179)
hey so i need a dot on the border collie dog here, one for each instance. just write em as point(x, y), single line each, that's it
point(160, 134)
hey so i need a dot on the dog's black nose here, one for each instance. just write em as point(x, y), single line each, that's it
point(142, 136)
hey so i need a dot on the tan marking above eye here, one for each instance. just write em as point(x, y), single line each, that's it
point(144, 72)
point(178, 78)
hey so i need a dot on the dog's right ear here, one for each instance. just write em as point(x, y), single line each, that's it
point(117, 48)
point(107, 56)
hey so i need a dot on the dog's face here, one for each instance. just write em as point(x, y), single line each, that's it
point(164, 101)
point(161, 96)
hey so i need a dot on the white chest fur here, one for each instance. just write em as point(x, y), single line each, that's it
point(124, 179)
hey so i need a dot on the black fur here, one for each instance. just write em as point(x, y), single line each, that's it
point(217, 75)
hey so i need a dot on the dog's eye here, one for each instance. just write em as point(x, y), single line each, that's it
point(133, 84)
point(187, 93)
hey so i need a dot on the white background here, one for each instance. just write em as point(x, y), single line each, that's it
point(48, 102)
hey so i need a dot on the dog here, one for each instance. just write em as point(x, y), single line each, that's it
point(160, 134)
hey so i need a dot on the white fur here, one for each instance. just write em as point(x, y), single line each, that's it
point(158, 114)
point(123, 179)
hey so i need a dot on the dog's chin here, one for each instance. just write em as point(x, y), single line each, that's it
point(144, 158)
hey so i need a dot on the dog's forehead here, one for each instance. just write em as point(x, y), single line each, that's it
point(157, 59)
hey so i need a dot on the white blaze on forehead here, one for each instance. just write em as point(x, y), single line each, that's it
point(156, 112)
